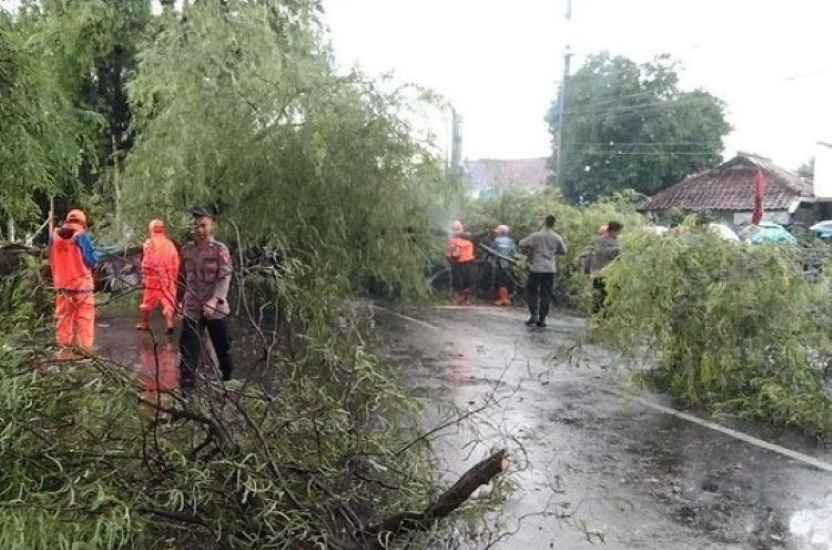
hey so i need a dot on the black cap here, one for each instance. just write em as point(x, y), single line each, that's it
point(202, 212)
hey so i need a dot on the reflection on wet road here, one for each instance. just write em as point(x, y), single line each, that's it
point(627, 474)
point(158, 365)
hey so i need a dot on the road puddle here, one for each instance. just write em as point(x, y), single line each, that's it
point(813, 528)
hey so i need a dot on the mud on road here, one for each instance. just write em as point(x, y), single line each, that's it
point(597, 469)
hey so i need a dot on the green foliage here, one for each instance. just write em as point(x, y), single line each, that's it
point(236, 104)
point(24, 298)
point(73, 60)
point(57, 490)
point(629, 126)
point(734, 327)
point(258, 123)
point(333, 446)
point(43, 136)
point(524, 212)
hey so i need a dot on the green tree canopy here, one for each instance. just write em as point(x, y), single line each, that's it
point(42, 134)
point(238, 104)
point(630, 126)
point(66, 63)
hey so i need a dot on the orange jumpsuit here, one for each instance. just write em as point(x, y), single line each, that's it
point(460, 252)
point(160, 268)
point(71, 259)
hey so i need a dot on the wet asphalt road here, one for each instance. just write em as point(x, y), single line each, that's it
point(595, 469)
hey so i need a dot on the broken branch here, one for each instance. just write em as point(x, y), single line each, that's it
point(399, 524)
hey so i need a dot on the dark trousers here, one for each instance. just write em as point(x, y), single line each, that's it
point(462, 276)
point(599, 295)
point(190, 346)
point(502, 277)
point(539, 294)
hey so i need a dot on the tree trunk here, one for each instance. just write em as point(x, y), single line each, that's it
point(111, 86)
point(117, 169)
point(51, 215)
point(11, 229)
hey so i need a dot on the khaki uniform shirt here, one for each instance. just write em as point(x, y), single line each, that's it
point(207, 270)
point(545, 245)
point(603, 250)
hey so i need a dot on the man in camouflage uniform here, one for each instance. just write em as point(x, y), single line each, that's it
point(206, 266)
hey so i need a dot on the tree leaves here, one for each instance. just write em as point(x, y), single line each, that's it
point(629, 126)
point(729, 326)
point(242, 108)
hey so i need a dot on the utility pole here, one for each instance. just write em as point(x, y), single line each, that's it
point(456, 142)
point(567, 56)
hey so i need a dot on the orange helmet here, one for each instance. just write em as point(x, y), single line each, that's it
point(156, 227)
point(456, 226)
point(77, 216)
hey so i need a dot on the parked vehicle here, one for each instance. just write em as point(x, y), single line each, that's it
point(822, 230)
point(768, 232)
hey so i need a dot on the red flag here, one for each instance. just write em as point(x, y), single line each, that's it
point(759, 193)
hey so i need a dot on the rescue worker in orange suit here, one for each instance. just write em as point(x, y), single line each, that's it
point(72, 258)
point(160, 269)
point(460, 252)
point(207, 268)
point(505, 246)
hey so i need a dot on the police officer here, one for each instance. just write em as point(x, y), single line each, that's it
point(206, 265)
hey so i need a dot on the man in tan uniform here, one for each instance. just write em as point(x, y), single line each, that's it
point(206, 264)
point(602, 250)
point(545, 246)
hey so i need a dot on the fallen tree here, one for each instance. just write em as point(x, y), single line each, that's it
point(734, 328)
point(319, 447)
point(239, 104)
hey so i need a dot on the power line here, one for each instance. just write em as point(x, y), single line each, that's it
point(613, 143)
point(663, 153)
point(626, 110)
point(566, 58)
point(617, 99)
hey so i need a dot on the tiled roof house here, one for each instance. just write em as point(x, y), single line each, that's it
point(727, 192)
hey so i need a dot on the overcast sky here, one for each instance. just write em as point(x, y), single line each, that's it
point(499, 62)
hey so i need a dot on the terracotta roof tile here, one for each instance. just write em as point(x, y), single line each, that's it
point(730, 186)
